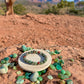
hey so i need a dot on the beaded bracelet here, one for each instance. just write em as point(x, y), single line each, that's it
point(35, 63)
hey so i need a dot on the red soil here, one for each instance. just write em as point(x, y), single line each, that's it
point(44, 32)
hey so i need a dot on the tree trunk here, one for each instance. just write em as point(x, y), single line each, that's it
point(9, 6)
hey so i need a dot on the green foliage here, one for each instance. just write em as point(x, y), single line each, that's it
point(19, 9)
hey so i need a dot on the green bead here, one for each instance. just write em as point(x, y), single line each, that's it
point(52, 67)
point(3, 61)
point(28, 48)
point(56, 60)
point(11, 65)
point(68, 73)
point(18, 72)
point(27, 77)
point(63, 71)
point(15, 55)
point(24, 48)
point(50, 77)
point(52, 53)
point(61, 76)
point(37, 82)
point(39, 72)
point(43, 71)
point(14, 68)
point(40, 78)
point(11, 56)
point(72, 60)
point(20, 77)
point(20, 81)
point(58, 67)
point(6, 59)
point(66, 76)
point(57, 52)
point(60, 57)
point(61, 61)
point(62, 82)
point(69, 81)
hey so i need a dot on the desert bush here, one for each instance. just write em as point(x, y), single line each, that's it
point(19, 9)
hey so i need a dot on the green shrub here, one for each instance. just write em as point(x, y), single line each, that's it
point(19, 9)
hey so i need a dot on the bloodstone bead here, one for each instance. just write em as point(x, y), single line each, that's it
point(69, 81)
point(63, 71)
point(3, 61)
point(68, 73)
point(40, 78)
point(52, 67)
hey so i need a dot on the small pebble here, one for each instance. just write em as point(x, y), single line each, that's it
point(50, 77)
point(56, 60)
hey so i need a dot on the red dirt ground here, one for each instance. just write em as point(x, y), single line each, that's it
point(42, 30)
point(61, 32)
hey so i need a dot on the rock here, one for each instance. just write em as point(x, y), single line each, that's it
point(52, 67)
point(34, 77)
point(3, 69)
point(50, 77)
